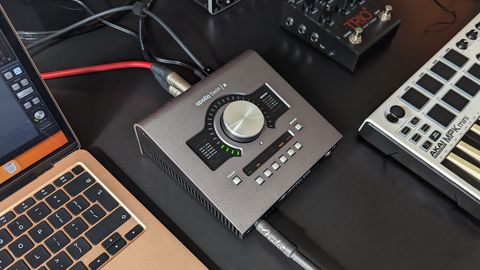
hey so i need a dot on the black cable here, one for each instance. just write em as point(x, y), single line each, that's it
point(74, 26)
point(175, 37)
point(78, 24)
point(150, 57)
point(105, 22)
point(32, 36)
point(446, 25)
point(36, 35)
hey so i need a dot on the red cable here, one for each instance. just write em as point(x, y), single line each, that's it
point(95, 68)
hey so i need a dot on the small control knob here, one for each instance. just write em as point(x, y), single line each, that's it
point(472, 34)
point(462, 44)
point(39, 115)
point(309, 5)
point(242, 121)
point(396, 112)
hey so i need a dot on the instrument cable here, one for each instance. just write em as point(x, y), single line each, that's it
point(36, 35)
point(284, 245)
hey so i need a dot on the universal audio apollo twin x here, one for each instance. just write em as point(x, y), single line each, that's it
point(239, 141)
point(431, 123)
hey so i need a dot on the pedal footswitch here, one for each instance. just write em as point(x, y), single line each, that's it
point(238, 141)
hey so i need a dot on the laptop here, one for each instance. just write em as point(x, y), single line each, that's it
point(59, 207)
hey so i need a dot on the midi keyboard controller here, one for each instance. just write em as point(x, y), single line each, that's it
point(238, 141)
point(431, 123)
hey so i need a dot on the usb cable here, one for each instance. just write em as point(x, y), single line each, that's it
point(284, 245)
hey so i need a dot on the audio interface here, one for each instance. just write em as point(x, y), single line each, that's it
point(216, 6)
point(238, 141)
point(347, 31)
point(431, 123)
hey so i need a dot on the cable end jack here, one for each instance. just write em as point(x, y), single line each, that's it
point(284, 245)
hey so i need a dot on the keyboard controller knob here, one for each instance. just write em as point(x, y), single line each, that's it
point(242, 121)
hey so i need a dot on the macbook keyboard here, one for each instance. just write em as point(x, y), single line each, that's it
point(62, 222)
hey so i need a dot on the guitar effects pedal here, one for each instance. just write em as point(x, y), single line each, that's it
point(238, 141)
point(347, 31)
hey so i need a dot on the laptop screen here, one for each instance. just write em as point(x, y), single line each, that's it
point(31, 127)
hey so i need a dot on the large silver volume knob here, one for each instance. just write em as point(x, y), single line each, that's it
point(242, 121)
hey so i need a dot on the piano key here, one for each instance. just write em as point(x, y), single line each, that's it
point(469, 150)
point(476, 129)
point(472, 139)
point(464, 165)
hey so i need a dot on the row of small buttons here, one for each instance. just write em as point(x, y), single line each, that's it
point(275, 166)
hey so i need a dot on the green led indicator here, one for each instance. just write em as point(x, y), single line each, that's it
point(238, 153)
point(233, 151)
point(228, 149)
point(223, 146)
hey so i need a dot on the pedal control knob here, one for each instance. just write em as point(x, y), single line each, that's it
point(242, 121)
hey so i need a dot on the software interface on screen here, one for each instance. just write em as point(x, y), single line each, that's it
point(28, 132)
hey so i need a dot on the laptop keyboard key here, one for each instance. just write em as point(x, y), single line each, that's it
point(115, 248)
point(39, 212)
point(79, 248)
point(94, 214)
point(37, 256)
point(44, 192)
point(79, 266)
point(79, 184)
point(40, 232)
point(62, 180)
point(111, 240)
point(78, 169)
point(78, 205)
point(59, 218)
point(59, 262)
point(5, 238)
point(20, 246)
point(20, 265)
point(5, 259)
point(99, 261)
point(76, 227)
point(57, 199)
point(19, 225)
point(130, 235)
point(24, 205)
point(58, 241)
point(107, 226)
point(6, 218)
point(98, 194)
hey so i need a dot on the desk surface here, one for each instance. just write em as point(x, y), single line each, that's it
point(358, 210)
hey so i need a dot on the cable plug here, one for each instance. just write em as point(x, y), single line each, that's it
point(170, 80)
